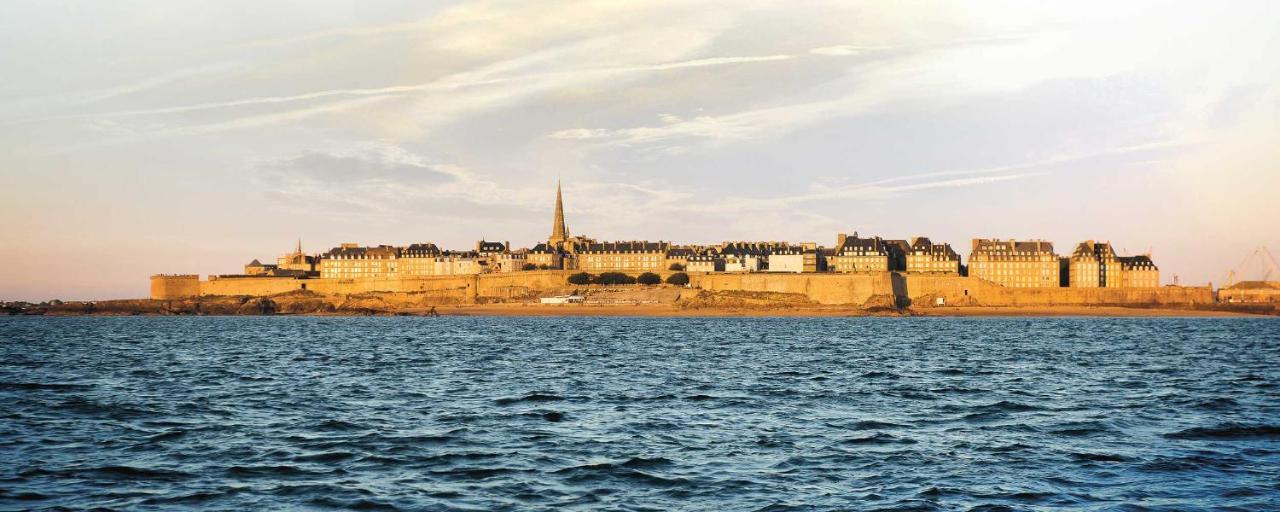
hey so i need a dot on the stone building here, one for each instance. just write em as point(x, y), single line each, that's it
point(491, 250)
point(418, 260)
point(801, 258)
point(924, 256)
point(856, 254)
point(631, 257)
point(452, 263)
point(1095, 265)
point(511, 261)
point(257, 268)
point(1025, 264)
point(706, 262)
point(350, 261)
point(678, 257)
point(546, 256)
point(1138, 272)
point(298, 261)
point(1092, 264)
point(292, 264)
point(747, 256)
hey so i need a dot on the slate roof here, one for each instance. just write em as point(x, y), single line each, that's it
point(544, 248)
point(1133, 262)
point(638, 246)
point(854, 243)
point(379, 252)
point(922, 245)
point(485, 246)
point(983, 245)
point(420, 250)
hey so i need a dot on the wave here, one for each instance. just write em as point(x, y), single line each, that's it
point(879, 438)
point(1228, 432)
point(43, 386)
point(532, 397)
point(1098, 457)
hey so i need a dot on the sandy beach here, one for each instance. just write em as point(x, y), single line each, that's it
point(668, 310)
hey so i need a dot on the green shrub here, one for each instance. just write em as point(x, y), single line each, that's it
point(581, 278)
point(529, 266)
point(679, 279)
point(649, 278)
point(610, 278)
point(676, 267)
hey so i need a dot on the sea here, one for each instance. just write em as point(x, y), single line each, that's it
point(723, 414)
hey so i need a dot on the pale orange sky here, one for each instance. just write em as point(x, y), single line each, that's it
point(191, 137)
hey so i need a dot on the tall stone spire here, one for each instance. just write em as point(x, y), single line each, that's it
point(299, 251)
point(559, 233)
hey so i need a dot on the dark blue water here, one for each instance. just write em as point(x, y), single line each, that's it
point(639, 414)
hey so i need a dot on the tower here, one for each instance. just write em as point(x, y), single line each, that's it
point(559, 233)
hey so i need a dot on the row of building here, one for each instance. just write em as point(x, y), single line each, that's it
point(1022, 264)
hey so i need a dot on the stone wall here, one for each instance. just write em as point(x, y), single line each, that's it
point(166, 287)
point(924, 290)
point(820, 288)
point(864, 289)
point(1258, 295)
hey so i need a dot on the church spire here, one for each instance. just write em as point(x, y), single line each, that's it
point(299, 250)
point(559, 233)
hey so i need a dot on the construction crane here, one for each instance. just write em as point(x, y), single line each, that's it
point(1261, 260)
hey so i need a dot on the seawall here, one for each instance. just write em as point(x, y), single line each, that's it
point(862, 289)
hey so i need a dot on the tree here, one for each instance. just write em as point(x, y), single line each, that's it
point(544, 266)
point(678, 278)
point(649, 278)
point(581, 278)
point(529, 266)
point(676, 267)
point(610, 278)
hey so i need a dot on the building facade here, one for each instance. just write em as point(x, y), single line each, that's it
point(1138, 272)
point(925, 257)
point(639, 256)
point(796, 259)
point(856, 254)
point(1016, 264)
point(709, 262)
point(1093, 265)
point(1096, 265)
point(350, 261)
point(418, 260)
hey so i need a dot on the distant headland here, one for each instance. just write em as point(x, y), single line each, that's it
point(569, 274)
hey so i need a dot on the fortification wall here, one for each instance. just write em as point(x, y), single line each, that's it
point(820, 288)
point(1250, 295)
point(257, 286)
point(464, 288)
point(924, 290)
point(167, 287)
point(459, 288)
point(881, 288)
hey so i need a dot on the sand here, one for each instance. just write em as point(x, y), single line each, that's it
point(669, 310)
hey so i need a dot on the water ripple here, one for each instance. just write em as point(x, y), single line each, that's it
point(639, 414)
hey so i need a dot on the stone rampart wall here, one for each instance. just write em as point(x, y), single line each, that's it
point(1250, 295)
point(167, 287)
point(820, 288)
point(877, 288)
point(924, 290)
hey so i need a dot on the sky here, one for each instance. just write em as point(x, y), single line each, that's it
point(143, 137)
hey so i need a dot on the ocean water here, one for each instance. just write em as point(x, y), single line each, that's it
point(267, 413)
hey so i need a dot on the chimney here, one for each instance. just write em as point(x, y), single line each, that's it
point(840, 238)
